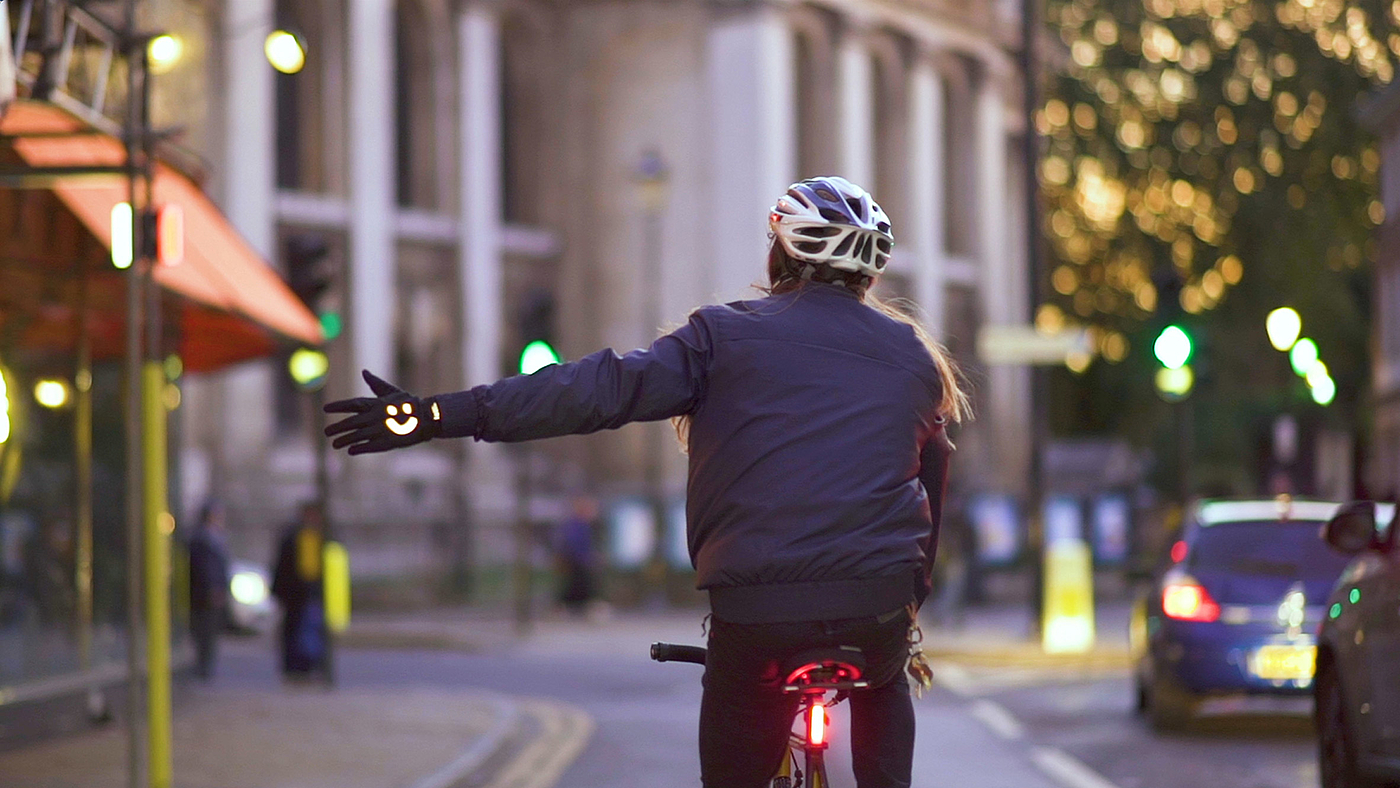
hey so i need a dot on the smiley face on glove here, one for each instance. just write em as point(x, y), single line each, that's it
point(392, 422)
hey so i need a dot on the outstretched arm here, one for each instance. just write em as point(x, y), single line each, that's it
point(597, 392)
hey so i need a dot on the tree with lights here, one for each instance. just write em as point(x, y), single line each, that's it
point(1204, 162)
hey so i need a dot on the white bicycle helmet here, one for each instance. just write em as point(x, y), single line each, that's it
point(832, 222)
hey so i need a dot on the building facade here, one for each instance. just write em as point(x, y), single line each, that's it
point(617, 159)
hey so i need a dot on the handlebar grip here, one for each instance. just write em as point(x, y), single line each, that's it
point(670, 652)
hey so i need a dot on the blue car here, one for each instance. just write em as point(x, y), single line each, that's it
point(1233, 611)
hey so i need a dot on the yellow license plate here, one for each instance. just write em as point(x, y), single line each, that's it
point(1283, 663)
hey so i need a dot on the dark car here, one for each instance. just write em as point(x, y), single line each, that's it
point(1229, 621)
point(1358, 654)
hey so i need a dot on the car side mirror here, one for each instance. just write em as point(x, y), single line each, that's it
point(1353, 528)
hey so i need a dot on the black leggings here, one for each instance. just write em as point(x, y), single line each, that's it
point(745, 716)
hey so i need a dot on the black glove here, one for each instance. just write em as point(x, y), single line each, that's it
point(391, 420)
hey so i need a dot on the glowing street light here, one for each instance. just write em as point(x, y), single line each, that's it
point(123, 246)
point(284, 51)
point(164, 52)
point(52, 393)
point(308, 368)
point(1317, 373)
point(4, 410)
point(1173, 347)
point(1324, 391)
point(1303, 356)
point(1284, 325)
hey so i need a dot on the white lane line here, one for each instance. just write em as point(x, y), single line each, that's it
point(997, 718)
point(954, 677)
point(1067, 770)
point(507, 717)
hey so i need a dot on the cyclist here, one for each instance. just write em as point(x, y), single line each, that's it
point(815, 420)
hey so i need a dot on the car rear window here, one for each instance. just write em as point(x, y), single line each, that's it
point(1269, 548)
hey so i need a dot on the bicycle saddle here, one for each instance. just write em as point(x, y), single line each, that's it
point(832, 667)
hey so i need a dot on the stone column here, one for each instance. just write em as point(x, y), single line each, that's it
point(855, 109)
point(249, 178)
point(753, 99)
point(479, 41)
point(927, 231)
point(1002, 287)
point(372, 185)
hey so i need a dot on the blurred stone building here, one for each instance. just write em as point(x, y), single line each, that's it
point(1382, 476)
point(462, 160)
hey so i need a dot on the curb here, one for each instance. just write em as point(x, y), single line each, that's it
point(472, 758)
point(564, 730)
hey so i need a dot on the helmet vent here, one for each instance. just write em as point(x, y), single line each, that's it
point(883, 227)
point(855, 208)
point(818, 232)
point(844, 246)
point(827, 194)
point(883, 245)
point(832, 215)
point(810, 247)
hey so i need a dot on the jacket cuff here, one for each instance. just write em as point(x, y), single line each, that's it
point(461, 413)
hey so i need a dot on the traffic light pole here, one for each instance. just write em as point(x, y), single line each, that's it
point(1040, 377)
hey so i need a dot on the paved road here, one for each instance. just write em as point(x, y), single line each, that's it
point(1002, 727)
point(1091, 719)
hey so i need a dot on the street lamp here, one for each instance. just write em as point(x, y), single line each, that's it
point(285, 51)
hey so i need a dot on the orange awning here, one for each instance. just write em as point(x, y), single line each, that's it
point(220, 270)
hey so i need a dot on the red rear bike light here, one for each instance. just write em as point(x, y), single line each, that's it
point(1188, 600)
point(816, 724)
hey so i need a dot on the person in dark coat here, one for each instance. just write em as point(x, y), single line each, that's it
point(297, 587)
point(816, 423)
point(209, 586)
point(574, 556)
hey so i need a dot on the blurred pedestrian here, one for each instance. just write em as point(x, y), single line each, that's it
point(296, 584)
point(209, 585)
point(574, 556)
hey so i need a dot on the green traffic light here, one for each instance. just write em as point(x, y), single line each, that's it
point(536, 356)
point(1173, 347)
point(1303, 356)
point(331, 325)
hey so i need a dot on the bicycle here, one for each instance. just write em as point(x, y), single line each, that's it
point(813, 673)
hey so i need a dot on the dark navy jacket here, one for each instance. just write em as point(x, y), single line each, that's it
point(815, 447)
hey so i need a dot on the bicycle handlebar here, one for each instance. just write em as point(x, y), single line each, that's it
point(670, 652)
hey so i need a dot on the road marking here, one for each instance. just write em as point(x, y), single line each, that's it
point(564, 730)
point(507, 717)
point(997, 718)
point(954, 677)
point(1067, 770)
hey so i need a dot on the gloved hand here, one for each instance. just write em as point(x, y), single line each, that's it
point(392, 419)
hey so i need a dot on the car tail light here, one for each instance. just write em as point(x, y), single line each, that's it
point(1179, 552)
point(1187, 600)
point(816, 724)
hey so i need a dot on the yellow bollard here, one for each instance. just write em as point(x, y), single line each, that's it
point(1067, 625)
point(335, 574)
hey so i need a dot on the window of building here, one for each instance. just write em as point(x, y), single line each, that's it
point(814, 96)
point(302, 101)
point(426, 319)
point(891, 124)
point(524, 148)
point(416, 108)
point(960, 162)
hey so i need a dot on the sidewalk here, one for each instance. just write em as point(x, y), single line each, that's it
point(997, 634)
point(304, 737)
